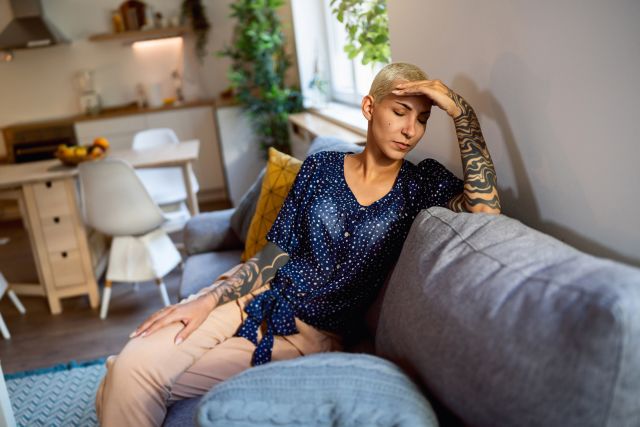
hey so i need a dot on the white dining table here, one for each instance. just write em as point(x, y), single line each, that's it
point(69, 256)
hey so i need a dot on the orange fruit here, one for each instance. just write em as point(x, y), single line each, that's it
point(80, 151)
point(96, 152)
point(101, 142)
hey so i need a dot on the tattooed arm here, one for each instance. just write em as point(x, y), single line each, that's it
point(480, 192)
point(254, 273)
point(480, 183)
point(191, 313)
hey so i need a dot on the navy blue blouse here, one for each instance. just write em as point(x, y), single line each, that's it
point(339, 250)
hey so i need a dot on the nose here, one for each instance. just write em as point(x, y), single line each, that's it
point(409, 129)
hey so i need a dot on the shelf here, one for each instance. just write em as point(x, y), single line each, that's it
point(134, 36)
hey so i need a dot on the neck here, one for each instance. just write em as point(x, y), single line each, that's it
point(372, 165)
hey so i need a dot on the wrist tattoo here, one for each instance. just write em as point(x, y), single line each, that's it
point(254, 273)
point(480, 181)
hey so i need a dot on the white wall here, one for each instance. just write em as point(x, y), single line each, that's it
point(555, 85)
point(39, 83)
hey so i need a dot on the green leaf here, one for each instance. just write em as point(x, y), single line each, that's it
point(259, 64)
point(366, 24)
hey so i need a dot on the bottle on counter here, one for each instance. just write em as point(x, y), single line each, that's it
point(141, 96)
point(116, 21)
point(177, 84)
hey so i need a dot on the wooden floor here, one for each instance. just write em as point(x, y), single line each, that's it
point(40, 339)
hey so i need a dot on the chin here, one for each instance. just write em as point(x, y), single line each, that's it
point(396, 154)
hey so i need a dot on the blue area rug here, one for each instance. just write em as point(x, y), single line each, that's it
point(62, 395)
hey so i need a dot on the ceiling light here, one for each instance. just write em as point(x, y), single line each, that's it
point(158, 42)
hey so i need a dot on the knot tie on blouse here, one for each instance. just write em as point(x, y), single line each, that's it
point(278, 313)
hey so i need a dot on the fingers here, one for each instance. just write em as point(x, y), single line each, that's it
point(142, 329)
point(419, 87)
point(161, 323)
point(184, 333)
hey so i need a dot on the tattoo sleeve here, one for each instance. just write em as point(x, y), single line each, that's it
point(480, 181)
point(254, 273)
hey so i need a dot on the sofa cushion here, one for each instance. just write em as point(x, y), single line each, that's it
point(330, 143)
point(504, 324)
point(210, 231)
point(182, 413)
point(241, 218)
point(203, 269)
point(327, 389)
point(281, 173)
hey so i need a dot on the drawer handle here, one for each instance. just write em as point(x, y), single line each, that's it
point(56, 219)
point(64, 254)
point(48, 184)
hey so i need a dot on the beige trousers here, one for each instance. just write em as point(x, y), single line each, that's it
point(152, 372)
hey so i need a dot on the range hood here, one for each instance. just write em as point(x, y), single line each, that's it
point(29, 28)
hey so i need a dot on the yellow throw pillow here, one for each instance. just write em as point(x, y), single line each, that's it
point(278, 180)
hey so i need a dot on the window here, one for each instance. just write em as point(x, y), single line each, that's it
point(349, 79)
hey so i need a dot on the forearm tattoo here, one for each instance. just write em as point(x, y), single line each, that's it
point(254, 273)
point(480, 181)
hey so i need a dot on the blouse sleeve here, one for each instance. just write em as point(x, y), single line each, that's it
point(283, 231)
point(439, 184)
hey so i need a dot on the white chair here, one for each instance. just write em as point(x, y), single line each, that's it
point(4, 287)
point(7, 418)
point(165, 185)
point(115, 202)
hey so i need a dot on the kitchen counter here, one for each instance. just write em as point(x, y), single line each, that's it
point(109, 112)
point(62, 128)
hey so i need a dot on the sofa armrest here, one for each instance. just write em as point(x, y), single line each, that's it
point(210, 231)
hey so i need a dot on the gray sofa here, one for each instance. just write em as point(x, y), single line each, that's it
point(500, 325)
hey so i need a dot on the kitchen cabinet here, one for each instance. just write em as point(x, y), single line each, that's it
point(197, 122)
point(243, 158)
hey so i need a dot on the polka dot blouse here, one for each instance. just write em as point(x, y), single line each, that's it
point(340, 251)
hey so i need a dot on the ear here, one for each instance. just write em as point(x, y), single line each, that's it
point(367, 107)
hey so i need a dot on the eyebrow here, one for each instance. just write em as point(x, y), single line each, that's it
point(408, 107)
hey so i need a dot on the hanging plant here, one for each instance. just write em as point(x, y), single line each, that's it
point(367, 25)
point(194, 11)
point(258, 68)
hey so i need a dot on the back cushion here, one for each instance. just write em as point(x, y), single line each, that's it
point(241, 218)
point(508, 326)
point(282, 170)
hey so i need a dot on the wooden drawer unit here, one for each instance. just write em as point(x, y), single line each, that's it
point(52, 199)
point(59, 241)
point(59, 234)
point(67, 268)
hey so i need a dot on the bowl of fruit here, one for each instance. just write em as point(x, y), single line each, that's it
point(72, 155)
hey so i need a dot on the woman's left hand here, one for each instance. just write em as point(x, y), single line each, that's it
point(435, 90)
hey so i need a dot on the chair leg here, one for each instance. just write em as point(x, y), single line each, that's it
point(6, 411)
point(3, 329)
point(16, 302)
point(106, 296)
point(163, 292)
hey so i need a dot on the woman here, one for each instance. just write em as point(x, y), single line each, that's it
point(337, 235)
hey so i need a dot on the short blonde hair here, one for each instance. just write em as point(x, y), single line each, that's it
point(385, 80)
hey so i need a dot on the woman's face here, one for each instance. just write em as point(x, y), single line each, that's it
point(396, 123)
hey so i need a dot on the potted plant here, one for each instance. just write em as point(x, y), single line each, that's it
point(367, 25)
point(258, 68)
point(194, 12)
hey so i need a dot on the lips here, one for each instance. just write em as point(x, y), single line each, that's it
point(402, 146)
